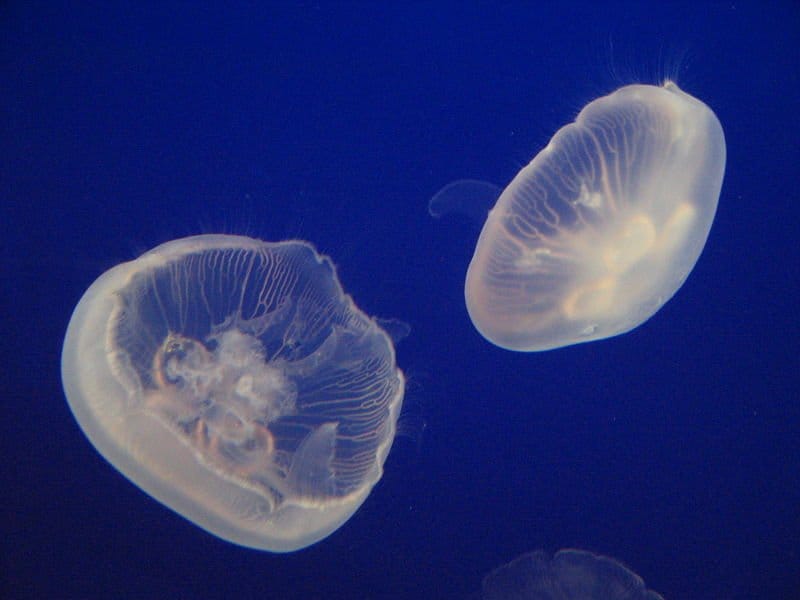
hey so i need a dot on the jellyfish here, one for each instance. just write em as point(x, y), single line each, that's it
point(602, 227)
point(234, 381)
point(568, 575)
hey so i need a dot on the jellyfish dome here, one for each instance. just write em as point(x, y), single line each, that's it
point(234, 381)
point(592, 237)
point(568, 575)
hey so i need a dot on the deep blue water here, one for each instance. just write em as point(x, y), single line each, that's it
point(674, 448)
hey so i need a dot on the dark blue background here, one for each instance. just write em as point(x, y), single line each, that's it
point(675, 448)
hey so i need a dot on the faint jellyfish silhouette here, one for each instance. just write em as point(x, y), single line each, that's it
point(603, 226)
point(472, 197)
point(234, 381)
point(569, 575)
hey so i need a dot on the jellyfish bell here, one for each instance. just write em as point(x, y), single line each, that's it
point(603, 226)
point(471, 197)
point(568, 575)
point(235, 381)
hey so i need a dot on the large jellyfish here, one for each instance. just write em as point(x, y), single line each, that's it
point(603, 226)
point(234, 381)
point(568, 575)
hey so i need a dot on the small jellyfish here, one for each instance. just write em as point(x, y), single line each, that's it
point(234, 381)
point(569, 575)
point(471, 197)
point(603, 226)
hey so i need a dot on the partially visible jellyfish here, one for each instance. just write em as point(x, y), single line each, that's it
point(234, 381)
point(568, 575)
point(604, 225)
point(472, 197)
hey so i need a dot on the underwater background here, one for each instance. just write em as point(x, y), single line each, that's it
point(674, 448)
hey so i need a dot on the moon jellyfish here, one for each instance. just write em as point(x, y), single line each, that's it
point(603, 226)
point(472, 197)
point(569, 575)
point(234, 381)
